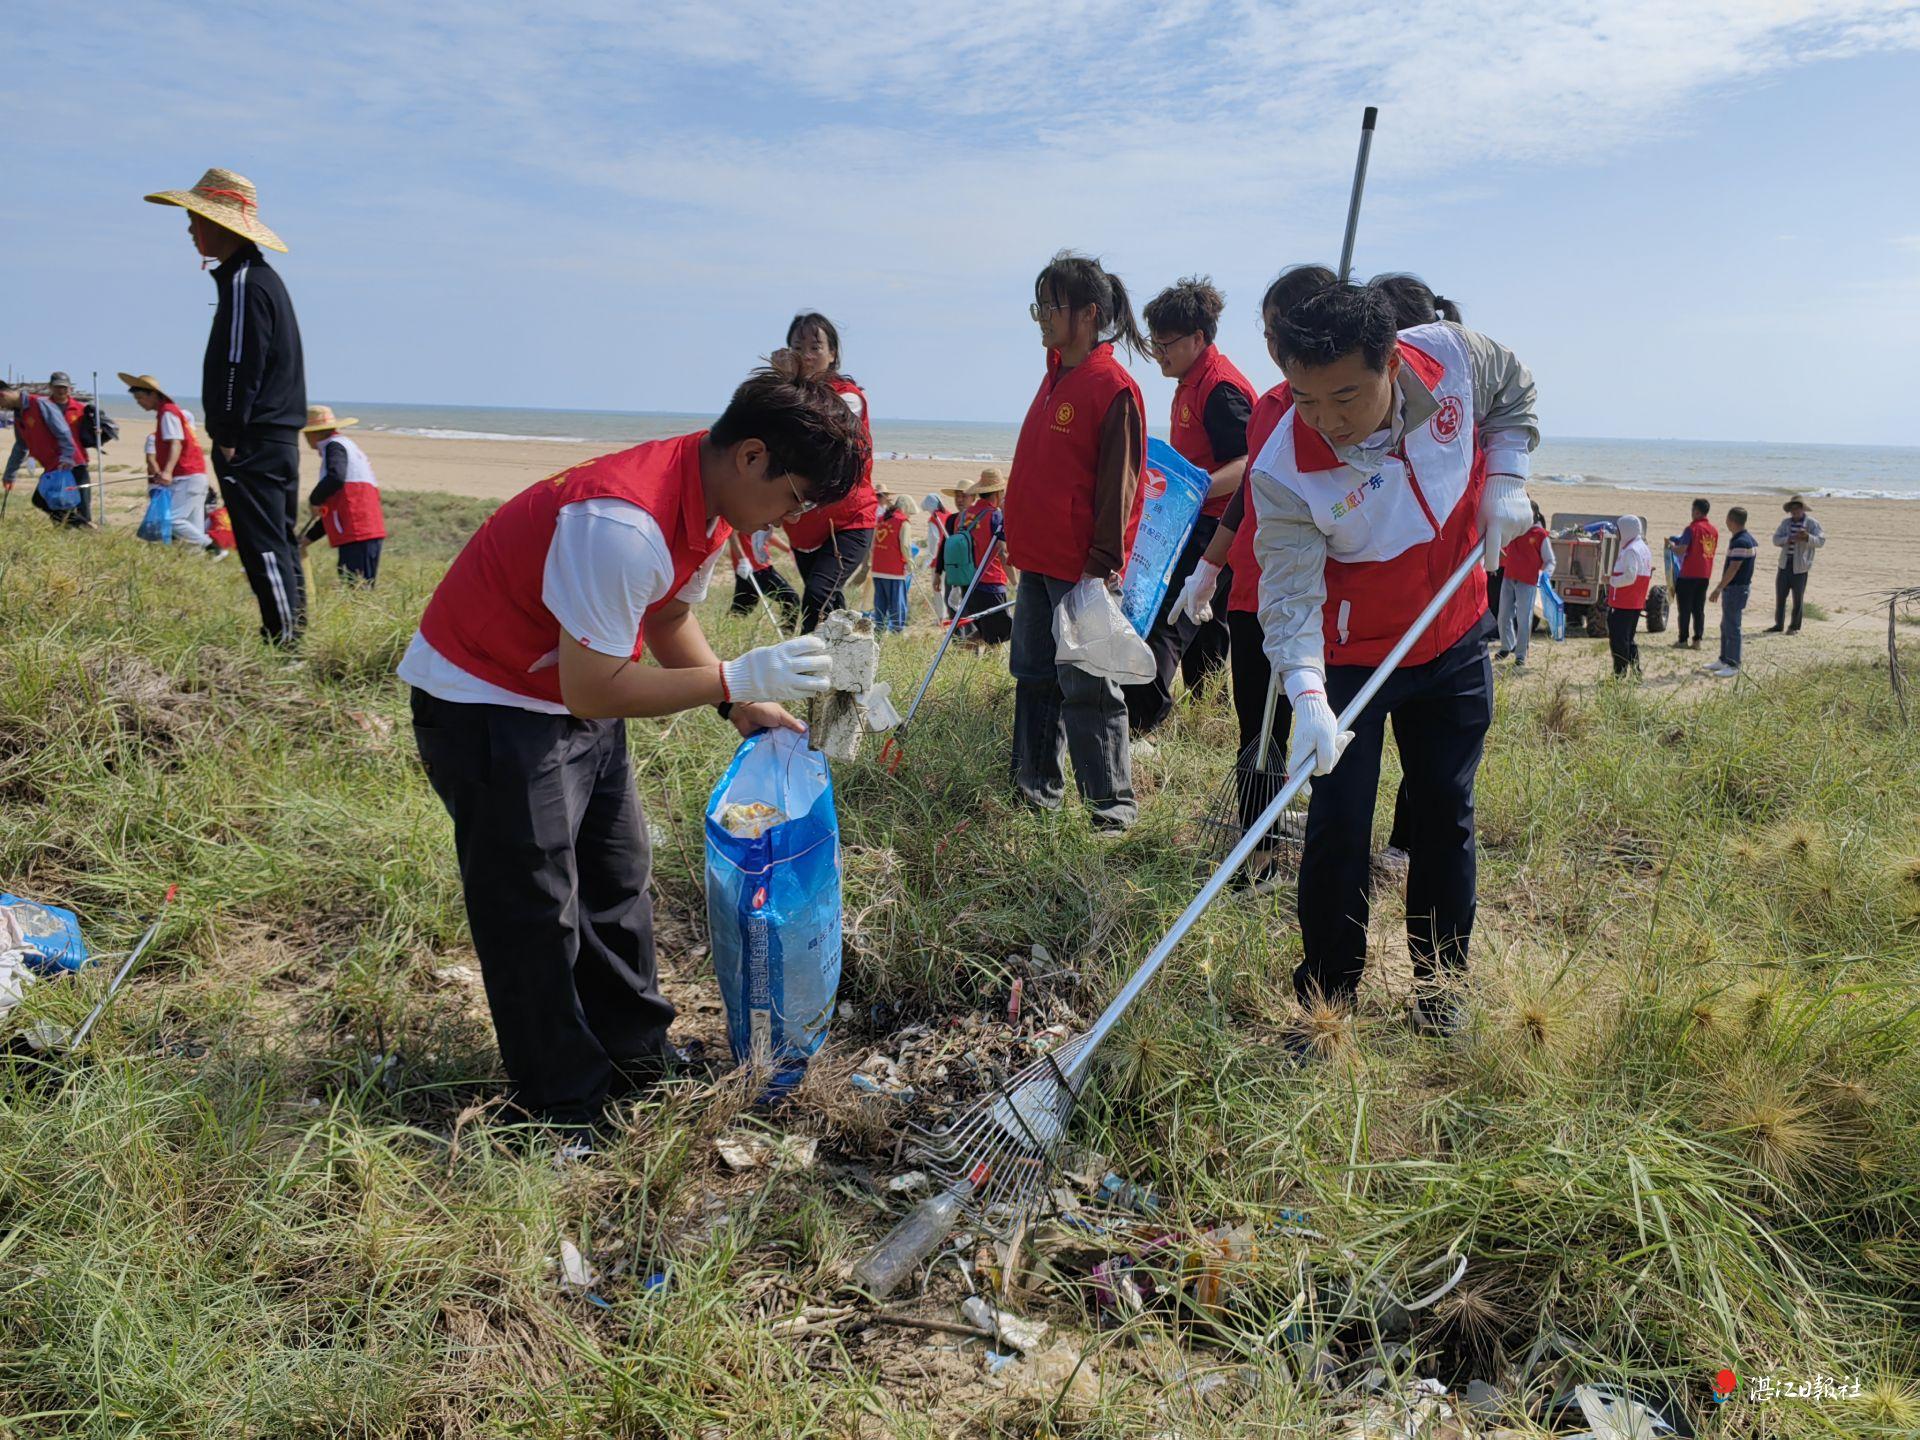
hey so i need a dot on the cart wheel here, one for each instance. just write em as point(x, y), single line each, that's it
point(1657, 607)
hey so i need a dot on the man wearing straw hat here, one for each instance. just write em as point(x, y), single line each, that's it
point(178, 463)
point(254, 390)
point(980, 521)
point(346, 502)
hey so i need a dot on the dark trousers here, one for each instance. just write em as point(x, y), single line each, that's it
point(775, 586)
point(1441, 712)
point(554, 860)
point(1690, 599)
point(81, 514)
point(1785, 583)
point(1060, 710)
point(359, 561)
point(824, 574)
point(1260, 778)
point(995, 629)
point(1733, 606)
point(261, 488)
point(1150, 702)
point(1621, 625)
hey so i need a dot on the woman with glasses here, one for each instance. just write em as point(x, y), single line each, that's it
point(832, 542)
point(1210, 411)
point(1072, 508)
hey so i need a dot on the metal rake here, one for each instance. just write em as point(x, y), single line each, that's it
point(994, 1159)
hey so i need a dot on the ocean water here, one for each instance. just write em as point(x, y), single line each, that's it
point(1710, 467)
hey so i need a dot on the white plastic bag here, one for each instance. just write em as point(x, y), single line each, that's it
point(1091, 633)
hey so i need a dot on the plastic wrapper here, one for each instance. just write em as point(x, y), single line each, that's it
point(1092, 633)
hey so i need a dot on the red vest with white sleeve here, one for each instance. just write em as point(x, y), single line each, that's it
point(1523, 560)
point(1630, 594)
point(1396, 535)
point(353, 512)
point(1244, 595)
point(193, 460)
point(488, 617)
point(1050, 486)
point(1189, 432)
point(857, 509)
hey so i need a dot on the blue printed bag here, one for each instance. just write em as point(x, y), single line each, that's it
point(51, 934)
point(773, 906)
point(1176, 488)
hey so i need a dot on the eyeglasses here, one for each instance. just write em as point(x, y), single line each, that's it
point(1036, 309)
point(801, 505)
point(1159, 345)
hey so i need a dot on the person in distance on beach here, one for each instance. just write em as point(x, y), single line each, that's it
point(1627, 588)
point(1404, 456)
point(40, 429)
point(1210, 408)
point(981, 523)
point(754, 570)
point(1798, 536)
point(1231, 548)
point(831, 544)
point(176, 460)
point(1072, 510)
point(1736, 585)
point(347, 499)
point(892, 567)
point(1695, 546)
point(527, 664)
point(253, 390)
point(60, 392)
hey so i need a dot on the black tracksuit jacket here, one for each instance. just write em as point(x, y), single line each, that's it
point(253, 384)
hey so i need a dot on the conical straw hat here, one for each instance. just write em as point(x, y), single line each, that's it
point(321, 417)
point(228, 200)
point(143, 382)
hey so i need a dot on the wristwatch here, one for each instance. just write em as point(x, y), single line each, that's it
point(724, 709)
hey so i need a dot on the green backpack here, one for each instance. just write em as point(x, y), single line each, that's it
point(956, 554)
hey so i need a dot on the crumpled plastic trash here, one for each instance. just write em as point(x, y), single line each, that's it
point(1091, 633)
point(15, 975)
point(1026, 1336)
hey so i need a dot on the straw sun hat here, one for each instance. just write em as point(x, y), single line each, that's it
point(144, 382)
point(321, 417)
point(228, 200)
point(991, 482)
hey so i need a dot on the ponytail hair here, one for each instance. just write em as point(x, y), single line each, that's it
point(1414, 302)
point(1446, 309)
point(1078, 281)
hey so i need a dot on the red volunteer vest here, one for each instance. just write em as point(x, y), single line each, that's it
point(353, 513)
point(1522, 561)
point(857, 509)
point(1394, 537)
point(1189, 434)
point(1703, 541)
point(1049, 504)
point(487, 617)
point(192, 461)
point(1267, 412)
point(890, 548)
point(981, 512)
point(40, 440)
point(1631, 596)
point(74, 410)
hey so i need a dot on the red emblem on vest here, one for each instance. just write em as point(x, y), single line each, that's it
point(1186, 414)
point(1446, 421)
point(1064, 415)
point(1155, 484)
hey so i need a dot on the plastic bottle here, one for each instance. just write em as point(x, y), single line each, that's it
point(909, 1245)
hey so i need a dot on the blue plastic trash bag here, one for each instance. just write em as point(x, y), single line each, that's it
point(773, 903)
point(57, 490)
point(157, 524)
point(1176, 489)
point(49, 934)
point(1553, 608)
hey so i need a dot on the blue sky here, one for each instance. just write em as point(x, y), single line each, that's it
point(1696, 219)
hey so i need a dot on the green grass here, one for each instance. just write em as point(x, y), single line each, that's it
point(269, 1199)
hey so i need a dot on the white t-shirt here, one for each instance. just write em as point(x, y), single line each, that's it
point(170, 430)
point(608, 564)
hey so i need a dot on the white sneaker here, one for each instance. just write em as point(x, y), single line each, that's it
point(1723, 672)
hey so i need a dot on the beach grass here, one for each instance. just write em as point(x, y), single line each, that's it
point(270, 1197)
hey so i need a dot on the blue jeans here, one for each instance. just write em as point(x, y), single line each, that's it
point(1516, 618)
point(1733, 604)
point(889, 603)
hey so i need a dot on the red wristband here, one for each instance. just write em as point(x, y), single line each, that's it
point(726, 695)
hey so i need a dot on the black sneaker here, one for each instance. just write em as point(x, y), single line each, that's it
point(1773, 630)
point(1441, 1016)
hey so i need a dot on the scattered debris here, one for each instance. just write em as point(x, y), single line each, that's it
point(911, 1183)
point(15, 975)
point(575, 1272)
point(1610, 1415)
point(855, 706)
point(750, 820)
point(749, 1150)
point(1024, 1335)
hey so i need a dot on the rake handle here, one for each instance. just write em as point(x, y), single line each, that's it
point(1257, 831)
point(947, 639)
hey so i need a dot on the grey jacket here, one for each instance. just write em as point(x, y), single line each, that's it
point(1292, 549)
point(1798, 551)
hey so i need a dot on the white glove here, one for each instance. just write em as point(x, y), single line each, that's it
point(1196, 596)
point(1504, 515)
point(743, 568)
point(1318, 741)
point(792, 670)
